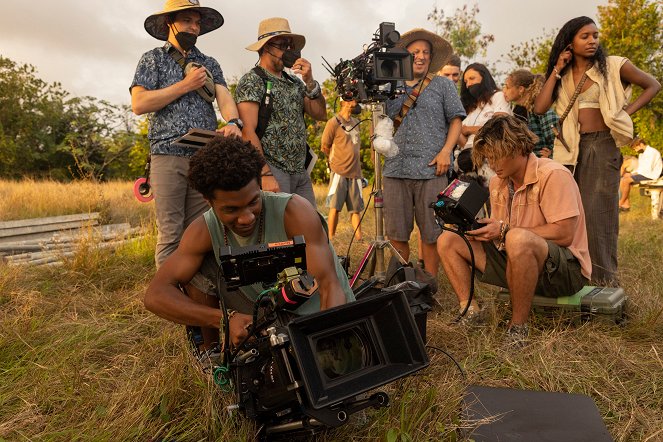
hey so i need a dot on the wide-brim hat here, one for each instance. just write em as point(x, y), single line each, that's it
point(276, 27)
point(157, 25)
point(441, 49)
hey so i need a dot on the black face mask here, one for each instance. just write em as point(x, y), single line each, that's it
point(289, 57)
point(186, 40)
point(356, 110)
point(474, 90)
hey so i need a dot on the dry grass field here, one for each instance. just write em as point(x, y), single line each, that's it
point(81, 359)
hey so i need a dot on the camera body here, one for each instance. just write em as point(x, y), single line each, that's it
point(314, 372)
point(372, 76)
point(299, 375)
point(459, 204)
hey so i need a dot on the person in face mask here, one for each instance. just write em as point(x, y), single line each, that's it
point(340, 142)
point(482, 100)
point(282, 140)
point(178, 103)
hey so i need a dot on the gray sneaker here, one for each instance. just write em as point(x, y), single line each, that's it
point(516, 336)
point(473, 317)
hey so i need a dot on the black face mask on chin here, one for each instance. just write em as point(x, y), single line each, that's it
point(187, 40)
point(289, 57)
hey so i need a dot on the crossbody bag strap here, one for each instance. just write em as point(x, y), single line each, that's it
point(581, 83)
point(411, 100)
point(176, 55)
point(266, 104)
point(557, 128)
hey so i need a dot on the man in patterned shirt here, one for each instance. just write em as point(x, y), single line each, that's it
point(283, 143)
point(160, 87)
point(425, 139)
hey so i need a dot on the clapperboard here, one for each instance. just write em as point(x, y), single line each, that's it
point(195, 138)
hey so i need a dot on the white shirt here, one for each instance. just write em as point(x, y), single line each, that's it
point(649, 163)
point(480, 115)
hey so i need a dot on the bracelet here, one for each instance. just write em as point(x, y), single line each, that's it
point(557, 76)
point(315, 92)
point(504, 228)
point(231, 313)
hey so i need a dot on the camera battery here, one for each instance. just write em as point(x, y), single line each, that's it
point(606, 304)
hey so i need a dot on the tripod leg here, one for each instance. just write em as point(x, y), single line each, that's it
point(366, 259)
point(395, 253)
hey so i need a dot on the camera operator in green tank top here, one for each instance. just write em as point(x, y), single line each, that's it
point(227, 173)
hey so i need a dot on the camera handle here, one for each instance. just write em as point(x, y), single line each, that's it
point(374, 256)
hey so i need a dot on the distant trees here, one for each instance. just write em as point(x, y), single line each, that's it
point(632, 29)
point(45, 133)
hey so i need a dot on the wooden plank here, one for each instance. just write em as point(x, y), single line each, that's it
point(71, 235)
point(53, 227)
point(49, 220)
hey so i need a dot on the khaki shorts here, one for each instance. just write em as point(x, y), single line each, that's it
point(561, 275)
point(406, 200)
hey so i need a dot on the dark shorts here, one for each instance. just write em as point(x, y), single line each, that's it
point(561, 275)
point(638, 178)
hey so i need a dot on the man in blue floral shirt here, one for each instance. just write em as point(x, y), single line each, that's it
point(425, 139)
point(178, 102)
point(283, 143)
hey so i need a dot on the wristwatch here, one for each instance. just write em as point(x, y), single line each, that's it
point(237, 122)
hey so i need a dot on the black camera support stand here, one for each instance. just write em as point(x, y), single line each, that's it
point(373, 259)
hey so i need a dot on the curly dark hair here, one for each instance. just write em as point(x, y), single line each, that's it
point(502, 137)
point(225, 163)
point(487, 88)
point(564, 38)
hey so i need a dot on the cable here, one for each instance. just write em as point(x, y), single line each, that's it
point(368, 203)
point(460, 369)
point(469, 246)
point(226, 321)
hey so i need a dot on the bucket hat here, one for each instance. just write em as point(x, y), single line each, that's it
point(157, 26)
point(441, 49)
point(276, 27)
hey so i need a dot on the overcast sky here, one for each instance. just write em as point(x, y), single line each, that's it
point(92, 46)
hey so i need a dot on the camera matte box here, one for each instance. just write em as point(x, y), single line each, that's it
point(602, 303)
point(394, 342)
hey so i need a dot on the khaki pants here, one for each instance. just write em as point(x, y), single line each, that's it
point(177, 205)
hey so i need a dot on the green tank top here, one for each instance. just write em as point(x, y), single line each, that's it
point(273, 206)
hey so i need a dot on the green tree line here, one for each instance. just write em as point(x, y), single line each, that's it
point(44, 132)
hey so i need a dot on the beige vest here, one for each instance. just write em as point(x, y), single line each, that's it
point(612, 98)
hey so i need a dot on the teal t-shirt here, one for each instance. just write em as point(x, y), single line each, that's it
point(273, 206)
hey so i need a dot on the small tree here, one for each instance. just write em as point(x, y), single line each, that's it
point(632, 29)
point(532, 54)
point(462, 30)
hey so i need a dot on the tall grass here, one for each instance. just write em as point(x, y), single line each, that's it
point(81, 359)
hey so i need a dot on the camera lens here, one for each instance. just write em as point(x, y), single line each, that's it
point(342, 353)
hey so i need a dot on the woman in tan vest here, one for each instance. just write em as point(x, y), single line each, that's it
point(593, 91)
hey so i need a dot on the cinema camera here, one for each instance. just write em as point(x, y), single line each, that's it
point(459, 204)
point(300, 376)
point(372, 76)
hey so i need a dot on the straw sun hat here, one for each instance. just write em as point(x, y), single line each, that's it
point(441, 49)
point(276, 27)
point(156, 24)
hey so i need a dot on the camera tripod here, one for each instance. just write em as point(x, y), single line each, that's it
point(373, 259)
